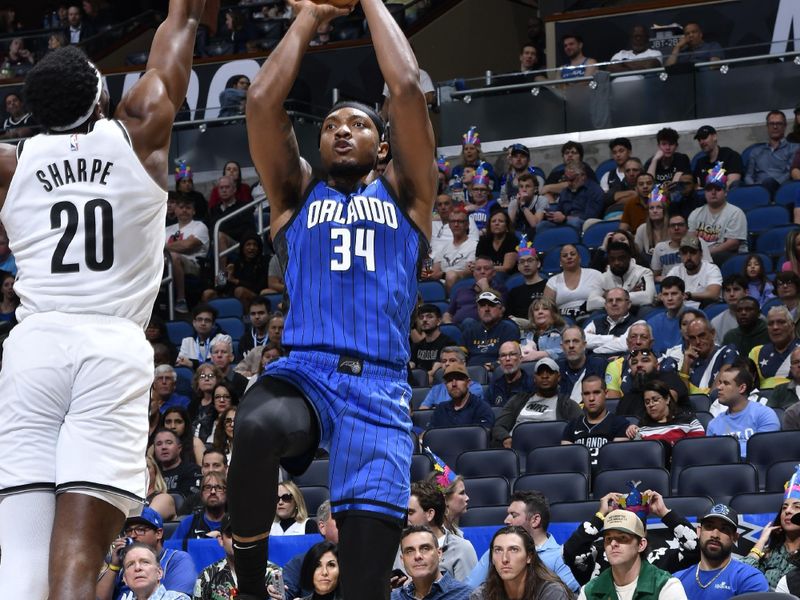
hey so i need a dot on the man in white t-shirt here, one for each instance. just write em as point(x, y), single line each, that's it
point(703, 279)
point(187, 240)
point(640, 56)
point(452, 261)
point(721, 226)
point(666, 254)
point(441, 235)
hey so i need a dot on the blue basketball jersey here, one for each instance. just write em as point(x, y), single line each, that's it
point(350, 264)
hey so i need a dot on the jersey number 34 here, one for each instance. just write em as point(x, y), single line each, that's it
point(345, 249)
point(106, 235)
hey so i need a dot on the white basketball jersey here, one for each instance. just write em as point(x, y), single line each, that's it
point(85, 222)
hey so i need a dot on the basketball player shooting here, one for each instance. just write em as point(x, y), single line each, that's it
point(84, 206)
point(351, 253)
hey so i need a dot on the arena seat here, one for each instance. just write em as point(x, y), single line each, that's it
point(432, 291)
point(233, 326)
point(774, 244)
point(696, 158)
point(594, 235)
point(764, 449)
point(721, 482)
point(766, 218)
point(484, 516)
point(486, 491)
point(453, 332)
point(690, 506)
point(701, 451)
point(572, 512)
point(177, 330)
point(461, 283)
point(227, 307)
point(735, 264)
point(478, 374)
point(704, 417)
point(787, 194)
point(554, 459)
point(631, 455)
point(757, 503)
point(184, 382)
point(314, 495)
point(421, 467)
point(604, 167)
point(712, 310)
point(615, 480)
point(515, 280)
point(528, 436)
point(421, 418)
point(315, 475)
point(418, 396)
point(502, 462)
point(700, 402)
point(778, 473)
point(419, 378)
point(557, 487)
point(747, 151)
point(749, 197)
point(551, 239)
point(449, 442)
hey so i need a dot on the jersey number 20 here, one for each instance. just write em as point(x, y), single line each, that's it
point(90, 210)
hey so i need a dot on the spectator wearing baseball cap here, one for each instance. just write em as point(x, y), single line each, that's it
point(484, 336)
point(425, 353)
point(178, 567)
point(462, 408)
point(519, 162)
point(717, 576)
point(702, 280)
point(624, 541)
point(713, 153)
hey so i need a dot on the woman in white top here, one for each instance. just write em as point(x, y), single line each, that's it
point(291, 514)
point(571, 288)
point(655, 229)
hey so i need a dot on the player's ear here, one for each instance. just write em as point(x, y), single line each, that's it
point(383, 150)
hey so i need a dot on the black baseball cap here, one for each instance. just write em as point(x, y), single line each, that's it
point(724, 512)
point(704, 132)
point(520, 148)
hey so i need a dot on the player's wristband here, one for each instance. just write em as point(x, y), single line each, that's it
point(114, 568)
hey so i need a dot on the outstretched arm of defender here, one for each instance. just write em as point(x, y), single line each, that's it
point(149, 108)
point(412, 171)
point(273, 145)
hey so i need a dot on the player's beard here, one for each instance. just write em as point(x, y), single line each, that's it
point(347, 170)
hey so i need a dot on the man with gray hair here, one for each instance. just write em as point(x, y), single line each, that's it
point(222, 357)
point(577, 363)
point(607, 333)
point(773, 359)
point(164, 395)
point(438, 393)
point(291, 570)
point(509, 379)
point(582, 199)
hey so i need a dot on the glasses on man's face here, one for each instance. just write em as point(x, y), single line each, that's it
point(509, 355)
point(285, 498)
point(206, 376)
point(209, 487)
point(640, 352)
point(137, 530)
point(678, 225)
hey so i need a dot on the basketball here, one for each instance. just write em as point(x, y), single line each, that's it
point(338, 3)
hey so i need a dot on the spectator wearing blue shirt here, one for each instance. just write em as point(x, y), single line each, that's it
point(482, 338)
point(743, 417)
point(692, 48)
point(509, 379)
point(666, 325)
point(201, 522)
point(531, 511)
point(770, 163)
point(164, 383)
point(438, 393)
point(576, 363)
point(717, 535)
point(462, 408)
point(421, 556)
point(582, 199)
point(148, 528)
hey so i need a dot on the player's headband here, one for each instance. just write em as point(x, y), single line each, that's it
point(84, 117)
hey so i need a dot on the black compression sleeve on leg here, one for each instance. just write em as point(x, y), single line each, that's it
point(367, 548)
point(273, 421)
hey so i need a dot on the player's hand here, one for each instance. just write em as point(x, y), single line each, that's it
point(322, 12)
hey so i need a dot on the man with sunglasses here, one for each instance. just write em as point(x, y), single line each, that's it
point(618, 372)
point(717, 536)
point(148, 528)
point(644, 369)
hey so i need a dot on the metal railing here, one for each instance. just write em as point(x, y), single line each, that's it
point(260, 230)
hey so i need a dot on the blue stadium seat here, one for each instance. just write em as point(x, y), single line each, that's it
point(421, 418)
point(227, 307)
point(184, 382)
point(552, 260)
point(421, 467)
point(774, 244)
point(712, 310)
point(418, 395)
point(778, 473)
point(554, 459)
point(555, 238)
point(696, 158)
point(747, 151)
point(461, 283)
point(764, 449)
point(766, 218)
point(702, 451)
point(316, 474)
point(515, 280)
point(631, 455)
point(314, 495)
point(557, 487)
point(449, 442)
point(721, 482)
point(453, 332)
point(787, 194)
point(690, 506)
point(233, 326)
point(177, 330)
point(594, 235)
point(615, 480)
point(501, 462)
point(751, 503)
point(735, 264)
point(749, 197)
point(484, 516)
point(700, 402)
point(604, 167)
point(478, 374)
point(769, 304)
point(572, 512)
point(274, 301)
point(432, 291)
point(528, 436)
point(419, 378)
point(486, 491)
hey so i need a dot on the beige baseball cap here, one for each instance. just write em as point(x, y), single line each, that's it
point(624, 520)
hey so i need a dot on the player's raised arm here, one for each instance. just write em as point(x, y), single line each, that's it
point(273, 145)
point(148, 109)
point(412, 171)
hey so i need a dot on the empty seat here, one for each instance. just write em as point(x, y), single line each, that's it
point(754, 503)
point(421, 467)
point(486, 491)
point(484, 516)
point(572, 512)
point(778, 473)
point(557, 487)
point(419, 378)
point(615, 480)
point(177, 330)
point(316, 474)
point(421, 418)
point(690, 506)
point(453, 332)
point(749, 197)
point(765, 218)
point(418, 396)
point(721, 482)
point(501, 462)
point(227, 307)
point(314, 495)
point(701, 451)
point(528, 436)
point(432, 291)
point(233, 326)
point(478, 374)
point(700, 402)
point(449, 442)
point(763, 449)
point(555, 459)
point(594, 235)
point(629, 455)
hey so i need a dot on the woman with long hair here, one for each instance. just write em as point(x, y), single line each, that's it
point(224, 398)
point(664, 420)
point(243, 192)
point(156, 333)
point(456, 501)
point(320, 572)
point(758, 285)
point(779, 543)
point(176, 419)
point(570, 289)
point(516, 572)
point(223, 432)
point(291, 514)
point(655, 229)
point(233, 99)
point(499, 243)
point(201, 408)
point(542, 337)
point(9, 301)
point(157, 496)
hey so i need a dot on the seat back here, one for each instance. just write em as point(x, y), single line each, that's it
point(753, 503)
point(557, 487)
point(778, 474)
point(594, 235)
point(227, 307)
point(484, 516)
point(449, 442)
point(627, 455)
point(421, 467)
point(502, 462)
point(314, 495)
point(527, 436)
point(486, 491)
point(554, 459)
point(315, 475)
point(701, 451)
point(615, 480)
point(764, 449)
point(690, 506)
point(721, 482)
point(572, 512)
